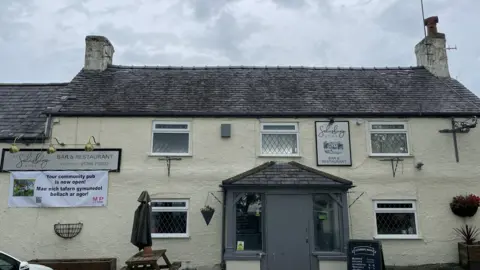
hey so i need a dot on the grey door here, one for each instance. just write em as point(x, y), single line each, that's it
point(287, 232)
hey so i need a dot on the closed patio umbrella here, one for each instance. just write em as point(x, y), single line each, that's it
point(141, 230)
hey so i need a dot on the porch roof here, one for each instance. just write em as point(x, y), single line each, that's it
point(286, 174)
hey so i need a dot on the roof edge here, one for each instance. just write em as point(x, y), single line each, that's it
point(231, 181)
point(35, 84)
point(254, 170)
point(286, 186)
point(261, 114)
point(264, 67)
point(335, 178)
point(24, 140)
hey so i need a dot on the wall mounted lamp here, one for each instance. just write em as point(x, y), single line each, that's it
point(14, 148)
point(51, 149)
point(89, 145)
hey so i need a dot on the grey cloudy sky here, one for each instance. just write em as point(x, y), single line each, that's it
point(43, 40)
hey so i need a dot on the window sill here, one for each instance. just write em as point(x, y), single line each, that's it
point(329, 256)
point(390, 156)
point(169, 236)
point(243, 256)
point(398, 237)
point(168, 155)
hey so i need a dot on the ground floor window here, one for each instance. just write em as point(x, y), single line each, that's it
point(169, 218)
point(327, 222)
point(248, 215)
point(396, 219)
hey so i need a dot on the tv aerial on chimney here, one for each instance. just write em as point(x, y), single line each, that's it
point(432, 21)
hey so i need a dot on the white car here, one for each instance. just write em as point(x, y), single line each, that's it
point(8, 262)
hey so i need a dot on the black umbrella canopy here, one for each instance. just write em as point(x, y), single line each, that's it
point(141, 230)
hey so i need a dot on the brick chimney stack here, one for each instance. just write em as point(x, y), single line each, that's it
point(431, 52)
point(98, 53)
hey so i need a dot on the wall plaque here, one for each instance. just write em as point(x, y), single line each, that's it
point(333, 143)
point(61, 160)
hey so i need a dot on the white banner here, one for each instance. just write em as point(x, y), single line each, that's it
point(58, 189)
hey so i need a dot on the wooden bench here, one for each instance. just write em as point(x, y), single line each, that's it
point(150, 262)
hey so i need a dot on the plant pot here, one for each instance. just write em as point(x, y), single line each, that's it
point(465, 211)
point(147, 251)
point(469, 256)
point(207, 215)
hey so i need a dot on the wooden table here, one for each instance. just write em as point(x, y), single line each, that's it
point(138, 261)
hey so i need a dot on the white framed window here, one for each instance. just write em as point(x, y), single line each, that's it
point(171, 138)
point(388, 139)
point(396, 219)
point(170, 218)
point(279, 139)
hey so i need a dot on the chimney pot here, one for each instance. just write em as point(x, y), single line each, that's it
point(98, 53)
point(431, 24)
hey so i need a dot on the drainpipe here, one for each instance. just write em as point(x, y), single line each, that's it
point(224, 218)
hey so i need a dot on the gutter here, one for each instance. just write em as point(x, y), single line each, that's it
point(265, 114)
point(330, 186)
point(23, 140)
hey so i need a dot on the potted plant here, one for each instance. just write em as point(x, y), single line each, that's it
point(469, 248)
point(465, 206)
point(207, 213)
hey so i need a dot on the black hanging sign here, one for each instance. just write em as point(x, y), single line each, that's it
point(365, 255)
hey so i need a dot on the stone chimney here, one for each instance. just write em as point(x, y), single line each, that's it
point(98, 53)
point(431, 52)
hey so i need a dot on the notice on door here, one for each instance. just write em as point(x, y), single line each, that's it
point(365, 255)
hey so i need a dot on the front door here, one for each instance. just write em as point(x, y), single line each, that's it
point(287, 232)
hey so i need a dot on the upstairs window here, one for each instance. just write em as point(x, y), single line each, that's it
point(170, 138)
point(279, 139)
point(389, 139)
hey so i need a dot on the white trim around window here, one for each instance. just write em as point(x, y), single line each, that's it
point(275, 141)
point(388, 132)
point(393, 219)
point(179, 208)
point(181, 145)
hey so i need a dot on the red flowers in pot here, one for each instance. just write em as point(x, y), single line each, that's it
point(465, 205)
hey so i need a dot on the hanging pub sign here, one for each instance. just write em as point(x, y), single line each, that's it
point(61, 160)
point(333, 143)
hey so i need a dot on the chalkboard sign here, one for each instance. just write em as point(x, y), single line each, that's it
point(365, 255)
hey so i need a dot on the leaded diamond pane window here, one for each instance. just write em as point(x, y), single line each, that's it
point(169, 218)
point(389, 139)
point(171, 138)
point(279, 139)
point(396, 219)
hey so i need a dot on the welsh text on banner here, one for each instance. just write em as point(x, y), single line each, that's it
point(58, 189)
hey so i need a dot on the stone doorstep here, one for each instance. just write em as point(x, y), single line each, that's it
point(440, 266)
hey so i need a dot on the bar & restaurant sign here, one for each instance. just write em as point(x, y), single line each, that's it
point(62, 160)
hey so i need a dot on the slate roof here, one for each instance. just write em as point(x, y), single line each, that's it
point(21, 108)
point(265, 91)
point(286, 174)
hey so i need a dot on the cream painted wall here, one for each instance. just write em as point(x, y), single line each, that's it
point(332, 265)
point(243, 265)
point(29, 233)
